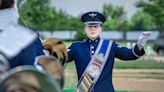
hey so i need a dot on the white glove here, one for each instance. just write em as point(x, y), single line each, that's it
point(143, 38)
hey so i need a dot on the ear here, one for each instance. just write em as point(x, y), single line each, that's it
point(85, 30)
point(101, 28)
point(48, 47)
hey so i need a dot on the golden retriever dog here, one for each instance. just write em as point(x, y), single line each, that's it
point(56, 60)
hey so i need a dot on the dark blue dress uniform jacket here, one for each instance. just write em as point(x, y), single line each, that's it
point(27, 55)
point(81, 53)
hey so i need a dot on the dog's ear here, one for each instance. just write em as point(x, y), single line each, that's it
point(48, 47)
point(57, 49)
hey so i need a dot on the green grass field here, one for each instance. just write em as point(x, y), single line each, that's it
point(139, 64)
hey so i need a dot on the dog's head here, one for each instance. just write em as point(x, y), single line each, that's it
point(57, 49)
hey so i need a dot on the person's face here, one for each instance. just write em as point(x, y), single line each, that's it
point(93, 31)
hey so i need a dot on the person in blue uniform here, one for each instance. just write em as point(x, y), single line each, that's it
point(83, 51)
point(9, 17)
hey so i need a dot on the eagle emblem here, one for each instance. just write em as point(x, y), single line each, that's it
point(92, 14)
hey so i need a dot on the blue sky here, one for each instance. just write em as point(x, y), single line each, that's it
point(76, 7)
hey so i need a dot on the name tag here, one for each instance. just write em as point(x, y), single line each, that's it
point(95, 67)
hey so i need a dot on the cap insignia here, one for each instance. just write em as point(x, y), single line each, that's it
point(92, 14)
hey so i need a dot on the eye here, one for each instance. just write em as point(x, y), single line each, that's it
point(54, 54)
point(60, 42)
point(49, 50)
point(94, 26)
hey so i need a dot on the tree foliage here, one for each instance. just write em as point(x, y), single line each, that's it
point(116, 18)
point(39, 15)
point(36, 14)
point(156, 9)
point(142, 21)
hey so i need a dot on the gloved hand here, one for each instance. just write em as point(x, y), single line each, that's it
point(143, 38)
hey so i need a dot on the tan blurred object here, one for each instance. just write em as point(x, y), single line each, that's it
point(20, 83)
point(54, 63)
point(28, 79)
point(57, 49)
point(53, 67)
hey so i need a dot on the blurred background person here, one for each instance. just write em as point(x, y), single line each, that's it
point(9, 17)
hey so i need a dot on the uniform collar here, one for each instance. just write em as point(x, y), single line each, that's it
point(93, 41)
point(8, 16)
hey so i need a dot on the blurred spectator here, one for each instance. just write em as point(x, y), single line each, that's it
point(9, 17)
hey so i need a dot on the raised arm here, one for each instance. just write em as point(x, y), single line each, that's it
point(137, 51)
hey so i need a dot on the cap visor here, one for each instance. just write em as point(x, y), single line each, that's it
point(93, 23)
